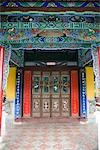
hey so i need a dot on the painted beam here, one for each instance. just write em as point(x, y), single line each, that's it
point(50, 9)
point(41, 25)
point(51, 46)
point(57, 4)
point(44, 40)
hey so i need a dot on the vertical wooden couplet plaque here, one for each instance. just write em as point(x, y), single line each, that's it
point(83, 98)
point(74, 94)
point(18, 99)
point(27, 94)
point(1, 81)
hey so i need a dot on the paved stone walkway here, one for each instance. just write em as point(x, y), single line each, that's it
point(51, 134)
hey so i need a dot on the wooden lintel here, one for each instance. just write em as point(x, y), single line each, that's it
point(50, 9)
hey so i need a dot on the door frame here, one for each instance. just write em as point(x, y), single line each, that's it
point(51, 68)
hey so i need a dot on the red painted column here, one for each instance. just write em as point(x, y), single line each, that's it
point(99, 59)
point(74, 94)
point(1, 81)
point(27, 94)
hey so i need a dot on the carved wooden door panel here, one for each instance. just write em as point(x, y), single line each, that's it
point(45, 94)
point(65, 94)
point(36, 94)
point(51, 94)
point(55, 94)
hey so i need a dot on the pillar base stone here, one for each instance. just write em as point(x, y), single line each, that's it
point(18, 121)
point(92, 107)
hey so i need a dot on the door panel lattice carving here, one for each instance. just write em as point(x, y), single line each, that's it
point(51, 94)
point(36, 94)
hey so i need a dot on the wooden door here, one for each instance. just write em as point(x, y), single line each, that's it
point(51, 94)
point(65, 94)
point(46, 94)
point(36, 94)
point(55, 94)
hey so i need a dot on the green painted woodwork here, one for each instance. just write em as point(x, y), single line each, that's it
point(51, 46)
point(50, 4)
point(74, 31)
point(48, 26)
point(18, 57)
point(41, 12)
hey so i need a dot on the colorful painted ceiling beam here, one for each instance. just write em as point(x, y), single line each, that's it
point(31, 31)
point(48, 4)
point(47, 40)
point(48, 25)
point(51, 19)
point(49, 36)
point(50, 46)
